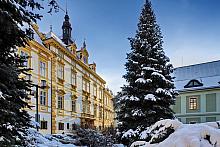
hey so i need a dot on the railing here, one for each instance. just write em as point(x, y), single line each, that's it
point(87, 115)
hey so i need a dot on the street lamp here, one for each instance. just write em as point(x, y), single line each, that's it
point(42, 86)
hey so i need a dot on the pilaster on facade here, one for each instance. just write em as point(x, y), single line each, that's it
point(53, 94)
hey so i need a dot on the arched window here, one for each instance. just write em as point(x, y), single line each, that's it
point(193, 83)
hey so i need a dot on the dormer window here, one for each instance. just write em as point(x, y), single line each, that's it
point(85, 60)
point(193, 83)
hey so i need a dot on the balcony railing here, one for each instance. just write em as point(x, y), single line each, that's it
point(87, 115)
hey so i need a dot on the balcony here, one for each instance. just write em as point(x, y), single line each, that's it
point(87, 115)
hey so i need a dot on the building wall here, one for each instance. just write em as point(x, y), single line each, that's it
point(207, 106)
point(102, 99)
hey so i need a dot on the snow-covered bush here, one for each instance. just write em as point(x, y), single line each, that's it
point(130, 136)
point(172, 133)
point(89, 137)
point(160, 130)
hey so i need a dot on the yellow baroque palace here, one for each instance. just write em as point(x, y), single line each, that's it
point(74, 93)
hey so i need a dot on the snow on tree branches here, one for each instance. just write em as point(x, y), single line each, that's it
point(149, 93)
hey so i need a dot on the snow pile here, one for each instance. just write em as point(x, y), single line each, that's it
point(1, 96)
point(137, 113)
point(172, 133)
point(118, 145)
point(131, 98)
point(130, 133)
point(150, 97)
point(34, 138)
point(166, 92)
point(140, 80)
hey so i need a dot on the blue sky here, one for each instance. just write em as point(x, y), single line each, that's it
point(191, 30)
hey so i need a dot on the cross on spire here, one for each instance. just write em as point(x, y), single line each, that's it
point(84, 43)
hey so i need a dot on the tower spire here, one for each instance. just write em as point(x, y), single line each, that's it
point(67, 29)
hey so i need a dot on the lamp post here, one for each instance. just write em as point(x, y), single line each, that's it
point(42, 86)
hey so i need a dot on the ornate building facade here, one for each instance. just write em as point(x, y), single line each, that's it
point(74, 93)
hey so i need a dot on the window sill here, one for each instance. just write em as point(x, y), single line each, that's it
point(86, 93)
point(73, 87)
point(44, 108)
point(60, 111)
point(60, 80)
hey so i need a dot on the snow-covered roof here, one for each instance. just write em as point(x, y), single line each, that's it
point(206, 73)
point(38, 39)
point(52, 35)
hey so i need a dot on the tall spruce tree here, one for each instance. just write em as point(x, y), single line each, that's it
point(149, 93)
point(14, 16)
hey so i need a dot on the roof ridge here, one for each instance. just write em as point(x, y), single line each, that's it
point(197, 64)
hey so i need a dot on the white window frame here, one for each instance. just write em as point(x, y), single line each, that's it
point(73, 105)
point(43, 98)
point(73, 78)
point(60, 101)
point(24, 54)
point(60, 71)
point(42, 68)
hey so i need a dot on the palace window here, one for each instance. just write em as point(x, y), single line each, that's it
point(43, 125)
point(86, 85)
point(73, 78)
point(68, 126)
point(25, 56)
point(84, 107)
point(95, 110)
point(60, 102)
point(60, 54)
point(100, 93)
point(95, 90)
point(43, 69)
point(88, 108)
point(43, 97)
point(100, 112)
point(74, 105)
point(193, 103)
point(61, 126)
point(60, 71)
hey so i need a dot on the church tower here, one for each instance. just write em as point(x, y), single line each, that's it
point(67, 30)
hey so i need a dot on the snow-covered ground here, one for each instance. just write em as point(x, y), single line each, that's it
point(184, 135)
point(34, 138)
